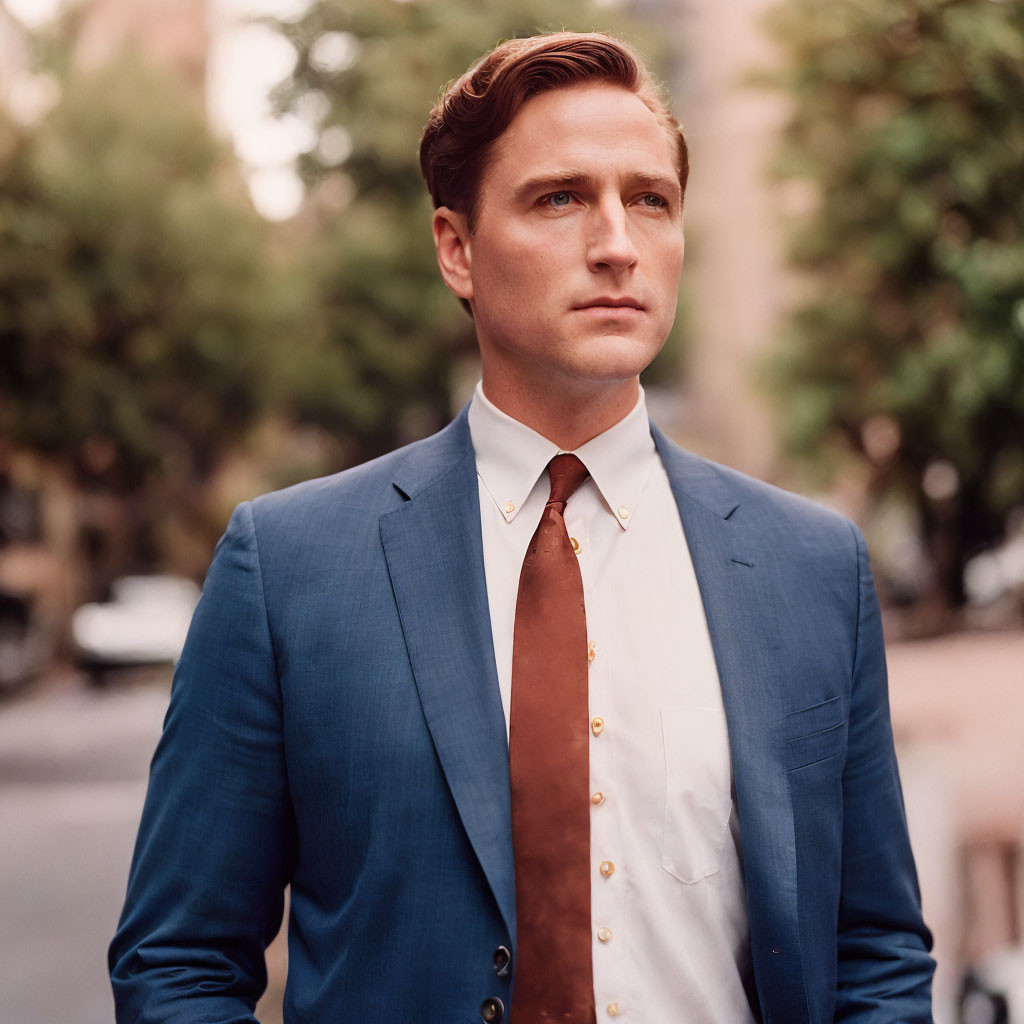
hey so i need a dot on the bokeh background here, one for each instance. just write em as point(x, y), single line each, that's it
point(216, 278)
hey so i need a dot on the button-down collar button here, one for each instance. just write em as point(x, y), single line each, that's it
point(575, 545)
point(597, 725)
point(613, 1009)
point(509, 508)
point(591, 650)
point(607, 868)
point(604, 934)
point(623, 512)
point(492, 1010)
point(502, 962)
point(597, 799)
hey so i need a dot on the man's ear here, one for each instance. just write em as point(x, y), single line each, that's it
point(451, 239)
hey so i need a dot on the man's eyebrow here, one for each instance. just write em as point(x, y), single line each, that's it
point(657, 183)
point(567, 180)
point(551, 182)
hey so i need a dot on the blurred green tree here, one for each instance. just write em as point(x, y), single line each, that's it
point(141, 316)
point(367, 74)
point(907, 141)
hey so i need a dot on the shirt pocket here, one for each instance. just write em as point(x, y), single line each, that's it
point(815, 734)
point(698, 797)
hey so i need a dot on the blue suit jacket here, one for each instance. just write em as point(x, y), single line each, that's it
point(335, 723)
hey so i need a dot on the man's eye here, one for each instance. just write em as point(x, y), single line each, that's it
point(654, 201)
point(558, 199)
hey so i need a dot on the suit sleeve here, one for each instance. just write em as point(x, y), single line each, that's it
point(884, 970)
point(216, 841)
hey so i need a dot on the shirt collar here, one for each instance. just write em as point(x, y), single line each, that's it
point(510, 458)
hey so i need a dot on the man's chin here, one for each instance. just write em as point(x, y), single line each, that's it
point(614, 357)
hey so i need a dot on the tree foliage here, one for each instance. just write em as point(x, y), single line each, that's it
point(908, 133)
point(139, 314)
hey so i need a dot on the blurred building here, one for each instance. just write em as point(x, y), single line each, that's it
point(174, 34)
point(14, 58)
point(12, 48)
point(734, 272)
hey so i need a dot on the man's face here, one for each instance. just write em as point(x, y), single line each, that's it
point(574, 263)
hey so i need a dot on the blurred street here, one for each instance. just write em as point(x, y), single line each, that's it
point(73, 769)
point(73, 765)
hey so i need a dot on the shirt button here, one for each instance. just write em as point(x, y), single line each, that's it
point(623, 512)
point(591, 650)
point(613, 1009)
point(597, 725)
point(575, 545)
point(509, 508)
point(604, 934)
point(607, 868)
point(597, 799)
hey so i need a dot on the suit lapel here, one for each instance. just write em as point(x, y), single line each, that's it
point(434, 553)
point(741, 606)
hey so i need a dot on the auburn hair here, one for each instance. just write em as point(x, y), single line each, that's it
point(476, 108)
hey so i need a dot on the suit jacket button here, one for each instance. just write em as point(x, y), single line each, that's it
point(502, 962)
point(492, 1010)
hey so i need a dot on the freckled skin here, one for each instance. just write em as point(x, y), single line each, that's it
point(534, 259)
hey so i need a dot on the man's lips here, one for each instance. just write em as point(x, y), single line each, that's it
point(606, 302)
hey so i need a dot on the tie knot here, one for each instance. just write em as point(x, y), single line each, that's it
point(566, 473)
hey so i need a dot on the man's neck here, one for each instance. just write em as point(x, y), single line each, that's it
point(569, 420)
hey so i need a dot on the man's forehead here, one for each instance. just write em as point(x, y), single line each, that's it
point(578, 131)
point(591, 107)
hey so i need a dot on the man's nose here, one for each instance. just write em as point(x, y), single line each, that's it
point(609, 245)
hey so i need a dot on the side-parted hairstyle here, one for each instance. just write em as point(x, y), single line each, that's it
point(476, 108)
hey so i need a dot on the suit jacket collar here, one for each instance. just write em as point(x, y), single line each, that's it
point(696, 479)
point(430, 460)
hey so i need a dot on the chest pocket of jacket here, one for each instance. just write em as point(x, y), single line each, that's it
point(698, 797)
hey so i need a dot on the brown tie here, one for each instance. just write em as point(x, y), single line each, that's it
point(550, 772)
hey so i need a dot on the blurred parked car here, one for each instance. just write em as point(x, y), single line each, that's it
point(145, 623)
point(25, 646)
point(997, 572)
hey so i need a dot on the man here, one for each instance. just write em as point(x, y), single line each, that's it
point(542, 718)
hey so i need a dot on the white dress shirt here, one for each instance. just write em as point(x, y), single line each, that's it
point(668, 906)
